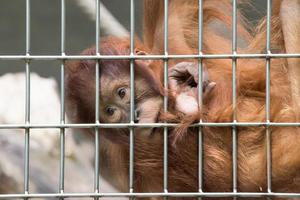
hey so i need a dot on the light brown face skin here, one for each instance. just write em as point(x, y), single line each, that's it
point(115, 100)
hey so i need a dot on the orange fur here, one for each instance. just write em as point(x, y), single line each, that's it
point(217, 141)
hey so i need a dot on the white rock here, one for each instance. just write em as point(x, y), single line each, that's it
point(44, 143)
point(44, 106)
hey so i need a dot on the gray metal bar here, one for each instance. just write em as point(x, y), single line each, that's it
point(131, 134)
point(97, 101)
point(162, 194)
point(268, 65)
point(62, 102)
point(27, 27)
point(165, 162)
point(200, 100)
point(27, 102)
point(234, 96)
point(147, 125)
point(149, 57)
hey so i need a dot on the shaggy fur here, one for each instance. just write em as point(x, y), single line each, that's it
point(217, 141)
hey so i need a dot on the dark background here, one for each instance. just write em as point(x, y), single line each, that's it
point(45, 30)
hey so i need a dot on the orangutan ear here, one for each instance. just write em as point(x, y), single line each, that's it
point(140, 52)
point(143, 69)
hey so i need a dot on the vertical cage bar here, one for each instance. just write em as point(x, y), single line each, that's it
point(62, 102)
point(131, 134)
point(200, 100)
point(97, 101)
point(27, 101)
point(165, 162)
point(268, 65)
point(234, 131)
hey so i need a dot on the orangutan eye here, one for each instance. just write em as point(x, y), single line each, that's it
point(110, 111)
point(122, 92)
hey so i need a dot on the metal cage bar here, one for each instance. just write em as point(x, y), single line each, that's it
point(268, 80)
point(151, 57)
point(131, 133)
point(200, 100)
point(148, 125)
point(165, 162)
point(97, 100)
point(156, 194)
point(62, 100)
point(234, 96)
point(27, 102)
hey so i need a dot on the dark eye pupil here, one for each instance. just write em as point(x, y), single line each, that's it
point(110, 111)
point(122, 92)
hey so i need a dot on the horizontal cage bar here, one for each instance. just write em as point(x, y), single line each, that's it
point(150, 57)
point(150, 125)
point(142, 195)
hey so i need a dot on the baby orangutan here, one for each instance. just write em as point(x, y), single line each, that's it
point(115, 108)
point(115, 87)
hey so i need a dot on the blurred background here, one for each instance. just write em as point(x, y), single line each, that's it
point(45, 30)
point(80, 29)
point(45, 104)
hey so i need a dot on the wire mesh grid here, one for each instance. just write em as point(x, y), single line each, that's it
point(27, 126)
